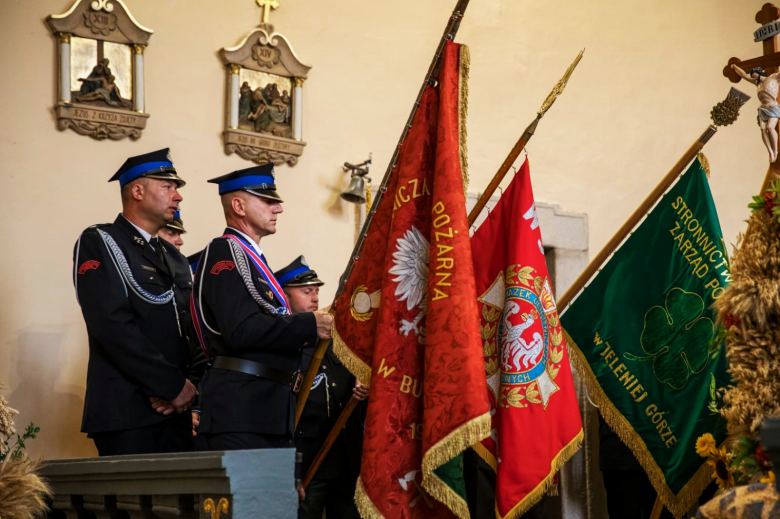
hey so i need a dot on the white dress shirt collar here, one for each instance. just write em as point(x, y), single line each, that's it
point(249, 240)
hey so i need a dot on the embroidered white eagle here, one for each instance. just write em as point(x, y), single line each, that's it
point(514, 348)
point(410, 266)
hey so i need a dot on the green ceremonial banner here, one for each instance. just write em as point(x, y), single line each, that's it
point(641, 335)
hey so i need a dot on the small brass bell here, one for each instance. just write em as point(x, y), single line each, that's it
point(356, 191)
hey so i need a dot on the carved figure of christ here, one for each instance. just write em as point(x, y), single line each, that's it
point(767, 83)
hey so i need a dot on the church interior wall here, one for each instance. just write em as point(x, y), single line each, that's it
point(641, 95)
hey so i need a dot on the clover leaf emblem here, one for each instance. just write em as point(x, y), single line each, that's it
point(676, 338)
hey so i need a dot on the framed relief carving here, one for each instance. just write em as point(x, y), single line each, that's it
point(264, 96)
point(100, 53)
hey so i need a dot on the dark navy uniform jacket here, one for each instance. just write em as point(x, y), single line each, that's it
point(234, 325)
point(136, 350)
point(332, 391)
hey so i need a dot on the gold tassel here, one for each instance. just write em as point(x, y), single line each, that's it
point(705, 164)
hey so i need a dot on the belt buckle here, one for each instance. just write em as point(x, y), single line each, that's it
point(298, 382)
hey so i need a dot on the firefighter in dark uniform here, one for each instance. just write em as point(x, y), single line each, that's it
point(243, 318)
point(173, 231)
point(332, 490)
point(133, 289)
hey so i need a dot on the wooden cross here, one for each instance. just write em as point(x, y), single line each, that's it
point(266, 6)
point(770, 62)
point(771, 58)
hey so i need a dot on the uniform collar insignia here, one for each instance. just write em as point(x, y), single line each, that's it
point(139, 240)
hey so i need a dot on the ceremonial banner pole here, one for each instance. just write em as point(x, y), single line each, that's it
point(527, 134)
point(723, 114)
point(319, 351)
point(332, 435)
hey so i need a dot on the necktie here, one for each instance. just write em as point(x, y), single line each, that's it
point(155, 243)
point(158, 249)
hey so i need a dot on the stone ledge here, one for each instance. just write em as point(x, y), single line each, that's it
point(250, 480)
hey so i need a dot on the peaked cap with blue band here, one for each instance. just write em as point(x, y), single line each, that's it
point(177, 224)
point(157, 164)
point(258, 180)
point(297, 274)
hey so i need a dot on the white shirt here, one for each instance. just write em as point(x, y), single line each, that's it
point(251, 242)
point(145, 234)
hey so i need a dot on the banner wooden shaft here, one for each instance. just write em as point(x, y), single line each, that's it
point(503, 170)
point(635, 218)
point(308, 379)
point(332, 435)
point(449, 34)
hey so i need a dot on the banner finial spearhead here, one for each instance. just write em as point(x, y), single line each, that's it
point(558, 88)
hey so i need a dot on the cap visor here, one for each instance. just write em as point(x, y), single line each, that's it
point(168, 176)
point(265, 193)
point(306, 283)
point(176, 228)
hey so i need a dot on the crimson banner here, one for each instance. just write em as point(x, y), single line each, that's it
point(536, 423)
point(408, 321)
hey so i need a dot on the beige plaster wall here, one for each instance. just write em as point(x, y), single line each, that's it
point(642, 94)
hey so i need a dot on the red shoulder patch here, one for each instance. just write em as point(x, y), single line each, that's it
point(222, 265)
point(88, 265)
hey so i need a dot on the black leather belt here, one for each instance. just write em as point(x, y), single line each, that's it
point(250, 367)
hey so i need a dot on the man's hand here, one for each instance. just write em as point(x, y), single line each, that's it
point(195, 423)
point(188, 393)
point(324, 320)
point(161, 406)
point(360, 392)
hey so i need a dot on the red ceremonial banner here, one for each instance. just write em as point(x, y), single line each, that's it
point(408, 319)
point(536, 424)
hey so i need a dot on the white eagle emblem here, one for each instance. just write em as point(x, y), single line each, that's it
point(514, 349)
point(410, 265)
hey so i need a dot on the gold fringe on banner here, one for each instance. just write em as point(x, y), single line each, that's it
point(546, 484)
point(352, 362)
point(471, 432)
point(364, 504)
point(463, 110)
point(689, 494)
point(486, 455)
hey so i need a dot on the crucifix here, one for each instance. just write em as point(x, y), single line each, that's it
point(267, 6)
point(766, 80)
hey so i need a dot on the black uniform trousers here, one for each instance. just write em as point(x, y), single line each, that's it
point(630, 494)
point(173, 435)
point(234, 441)
point(332, 490)
point(139, 347)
